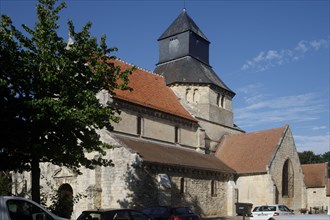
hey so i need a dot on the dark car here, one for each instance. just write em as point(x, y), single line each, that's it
point(113, 214)
point(171, 213)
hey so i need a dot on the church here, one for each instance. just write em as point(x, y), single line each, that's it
point(177, 143)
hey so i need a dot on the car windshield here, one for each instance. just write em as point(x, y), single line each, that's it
point(265, 209)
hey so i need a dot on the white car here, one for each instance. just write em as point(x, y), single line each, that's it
point(17, 208)
point(268, 212)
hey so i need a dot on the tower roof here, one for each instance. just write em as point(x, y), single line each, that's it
point(181, 24)
point(190, 70)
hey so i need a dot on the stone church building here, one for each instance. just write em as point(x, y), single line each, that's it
point(177, 143)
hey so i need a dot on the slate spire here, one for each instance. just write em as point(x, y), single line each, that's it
point(182, 24)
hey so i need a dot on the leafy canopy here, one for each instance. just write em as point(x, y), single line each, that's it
point(49, 111)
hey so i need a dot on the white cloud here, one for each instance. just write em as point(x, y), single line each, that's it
point(318, 144)
point(315, 128)
point(272, 58)
point(286, 109)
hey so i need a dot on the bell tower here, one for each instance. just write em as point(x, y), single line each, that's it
point(184, 63)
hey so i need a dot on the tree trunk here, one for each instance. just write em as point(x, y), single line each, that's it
point(35, 172)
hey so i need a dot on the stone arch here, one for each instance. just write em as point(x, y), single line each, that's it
point(65, 200)
point(190, 95)
point(196, 96)
point(287, 179)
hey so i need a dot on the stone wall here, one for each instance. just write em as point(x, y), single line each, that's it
point(317, 198)
point(158, 128)
point(257, 189)
point(197, 193)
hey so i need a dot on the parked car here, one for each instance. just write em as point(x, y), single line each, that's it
point(171, 213)
point(17, 208)
point(301, 217)
point(113, 214)
point(266, 212)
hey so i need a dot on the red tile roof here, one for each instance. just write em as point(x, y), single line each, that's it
point(250, 152)
point(315, 175)
point(162, 153)
point(150, 90)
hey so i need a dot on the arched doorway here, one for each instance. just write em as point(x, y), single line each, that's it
point(64, 203)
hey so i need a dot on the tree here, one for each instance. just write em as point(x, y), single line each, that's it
point(308, 157)
point(5, 184)
point(49, 110)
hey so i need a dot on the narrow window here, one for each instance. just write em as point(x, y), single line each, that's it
point(187, 94)
point(139, 125)
point(222, 104)
point(213, 188)
point(195, 96)
point(182, 186)
point(218, 99)
point(176, 134)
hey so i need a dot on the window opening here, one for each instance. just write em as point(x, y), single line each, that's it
point(287, 179)
point(139, 125)
point(213, 188)
point(182, 186)
point(222, 102)
point(176, 134)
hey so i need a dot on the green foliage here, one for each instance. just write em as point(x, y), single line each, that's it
point(5, 184)
point(308, 157)
point(49, 110)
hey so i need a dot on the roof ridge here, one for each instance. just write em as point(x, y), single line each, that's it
point(140, 68)
point(256, 132)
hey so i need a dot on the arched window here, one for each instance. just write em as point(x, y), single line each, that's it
point(287, 179)
point(222, 101)
point(196, 96)
point(188, 95)
point(64, 204)
point(218, 99)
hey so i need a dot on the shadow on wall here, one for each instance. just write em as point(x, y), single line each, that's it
point(148, 188)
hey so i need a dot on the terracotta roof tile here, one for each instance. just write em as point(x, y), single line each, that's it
point(150, 90)
point(250, 152)
point(315, 175)
point(155, 152)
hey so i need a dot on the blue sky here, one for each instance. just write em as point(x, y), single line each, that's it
point(273, 54)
